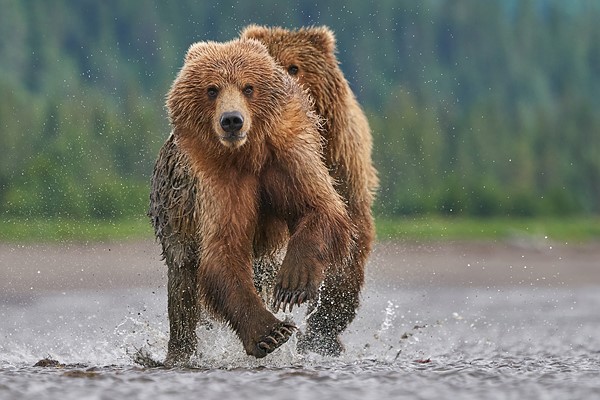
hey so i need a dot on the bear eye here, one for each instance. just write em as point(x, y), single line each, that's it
point(293, 69)
point(212, 92)
point(248, 90)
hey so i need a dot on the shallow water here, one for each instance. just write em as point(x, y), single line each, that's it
point(430, 342)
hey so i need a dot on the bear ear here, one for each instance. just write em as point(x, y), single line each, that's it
point(323, 38)
point(196, 49)
point(254, 31)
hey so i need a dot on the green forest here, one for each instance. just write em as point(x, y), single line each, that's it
point(478, 108)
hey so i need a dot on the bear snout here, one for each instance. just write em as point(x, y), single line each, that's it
point(231, 122)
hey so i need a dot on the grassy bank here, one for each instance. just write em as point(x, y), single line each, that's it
point(425, 228)
point(576, 229)
point(56, 230)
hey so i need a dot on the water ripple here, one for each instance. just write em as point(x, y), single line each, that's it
point(402, 345)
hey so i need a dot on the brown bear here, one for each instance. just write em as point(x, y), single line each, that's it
point(308, 54)
point(241, 178)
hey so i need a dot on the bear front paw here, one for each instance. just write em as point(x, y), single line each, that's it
point(278, 336)
point(283, 298)
point(296, 284)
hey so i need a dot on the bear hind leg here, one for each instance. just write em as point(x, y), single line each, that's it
point(184, 313)
point(339, 297)
point(330, 316)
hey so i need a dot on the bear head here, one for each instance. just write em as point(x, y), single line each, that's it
point(308, 54)
point(225, 93)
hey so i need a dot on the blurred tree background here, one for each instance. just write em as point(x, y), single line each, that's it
point(478, 108)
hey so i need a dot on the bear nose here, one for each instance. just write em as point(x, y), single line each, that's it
point(232, 121)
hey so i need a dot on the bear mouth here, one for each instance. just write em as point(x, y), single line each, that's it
point(233, 139)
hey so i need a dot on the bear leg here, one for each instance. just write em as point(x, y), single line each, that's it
point(230, 295)
point(339, 296)
point(331, 314)
point(184, 314)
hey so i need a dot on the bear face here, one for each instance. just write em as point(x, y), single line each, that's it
point(307, 54)
point(223, 91)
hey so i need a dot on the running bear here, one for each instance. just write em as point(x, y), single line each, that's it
point(308, 54)
point(240, 179)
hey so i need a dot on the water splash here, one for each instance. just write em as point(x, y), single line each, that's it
point(388, 321)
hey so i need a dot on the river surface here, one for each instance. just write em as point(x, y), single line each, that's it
point(441, 334)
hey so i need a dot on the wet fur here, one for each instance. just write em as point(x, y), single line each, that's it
point(218, 206)
point(348, 157)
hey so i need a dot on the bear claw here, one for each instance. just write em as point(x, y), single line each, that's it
point(283, 299)
point(278, 336)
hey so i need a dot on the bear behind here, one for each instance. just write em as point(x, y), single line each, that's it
point(308, 54)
